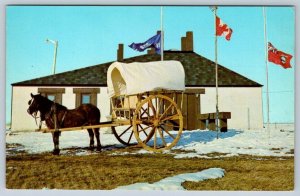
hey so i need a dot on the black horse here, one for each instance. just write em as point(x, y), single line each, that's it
point(53, 113)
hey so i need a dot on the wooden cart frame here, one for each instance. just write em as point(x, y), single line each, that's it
point(152, 120)
point(154, 115)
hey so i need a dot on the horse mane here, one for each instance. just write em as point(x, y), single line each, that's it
point(49, 103)
point(60, 107)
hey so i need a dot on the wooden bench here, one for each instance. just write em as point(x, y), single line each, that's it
point(211, 118)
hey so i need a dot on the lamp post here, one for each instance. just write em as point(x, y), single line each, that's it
point(55, 52)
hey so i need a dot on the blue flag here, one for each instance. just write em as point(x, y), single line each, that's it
point(152, 42)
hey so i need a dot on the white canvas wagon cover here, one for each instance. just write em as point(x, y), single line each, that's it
point(134, 78)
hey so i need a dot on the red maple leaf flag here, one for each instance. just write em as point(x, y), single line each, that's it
point(222, 29)
point(279, 57)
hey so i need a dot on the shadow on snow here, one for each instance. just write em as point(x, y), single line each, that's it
point(205, 136)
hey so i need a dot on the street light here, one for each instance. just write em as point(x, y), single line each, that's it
point(55, 52)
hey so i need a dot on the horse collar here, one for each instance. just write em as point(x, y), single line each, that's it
point(49, 114)
point(52, 114)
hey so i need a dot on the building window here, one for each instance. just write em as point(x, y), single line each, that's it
point(86, 98)
point(53, 94)
point(51, 97)
point(86, 95)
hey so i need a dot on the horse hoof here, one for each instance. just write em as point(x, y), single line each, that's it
point(99, 149)
point(91, 148)
point(56, 152)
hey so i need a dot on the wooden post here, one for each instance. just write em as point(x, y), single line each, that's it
point(202, 124)
point(212, 124)
point(162, 34)
point(267, 75)
point(223, 125)
point(216, 62)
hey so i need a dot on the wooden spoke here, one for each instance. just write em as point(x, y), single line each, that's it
point(149, 135)
point(162, 137)
point(172, 136)
point(165, 112)
point(130, 137)
point(169, 125)
point(122, 137)
point(125, 131)
point(173, 117)
point(148, 111)
point(152, 107)
point(143, 129)
point(159, 107)
point(145, 111)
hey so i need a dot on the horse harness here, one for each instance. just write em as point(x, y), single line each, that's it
point(52, 116)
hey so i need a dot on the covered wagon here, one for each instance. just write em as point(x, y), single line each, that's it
point(146, 101)
point(143, 100)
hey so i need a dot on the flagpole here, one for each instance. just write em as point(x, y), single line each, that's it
point(267, 75)
point(162, 33)
point(216, 67)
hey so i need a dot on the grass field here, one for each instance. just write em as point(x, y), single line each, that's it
point(104, 172)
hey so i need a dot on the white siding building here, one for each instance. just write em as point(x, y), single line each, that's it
point(238, 95)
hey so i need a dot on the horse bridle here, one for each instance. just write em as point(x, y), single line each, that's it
point(34, 114)
point(47, 115)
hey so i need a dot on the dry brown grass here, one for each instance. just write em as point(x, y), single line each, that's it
point(103, 171)
point(251, 175)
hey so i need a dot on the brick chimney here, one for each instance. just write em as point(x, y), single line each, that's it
point(183, 43)
point(187, 42)
point(120, 52)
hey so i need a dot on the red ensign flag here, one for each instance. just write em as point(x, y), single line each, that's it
point(279, 57)
point(222, 29)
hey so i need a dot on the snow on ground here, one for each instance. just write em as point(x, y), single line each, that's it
point(250, 142)
point(279, 141)
point(174, 183)
point(37, 142)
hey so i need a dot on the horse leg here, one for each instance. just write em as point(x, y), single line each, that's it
point(91, 134)
point(55, 136)
point(97, 135)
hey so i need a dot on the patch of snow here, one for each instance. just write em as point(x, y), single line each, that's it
point(277, 142)
point(37, 142)
point(142, 151)
point(174, 183)
point(233, 142)
point(120, 153)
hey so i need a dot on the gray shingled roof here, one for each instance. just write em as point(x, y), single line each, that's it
point(199, 71)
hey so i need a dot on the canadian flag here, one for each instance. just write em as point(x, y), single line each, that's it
point(279, 57)
point(222, 29)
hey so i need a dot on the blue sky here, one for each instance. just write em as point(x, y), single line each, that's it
point(90, 35)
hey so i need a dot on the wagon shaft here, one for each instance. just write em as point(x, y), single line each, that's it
point(100, 125)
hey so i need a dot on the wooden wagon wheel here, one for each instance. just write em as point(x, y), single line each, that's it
point(154, 115)
point(124, 135)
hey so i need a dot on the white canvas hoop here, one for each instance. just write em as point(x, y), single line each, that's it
point(137, 77)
